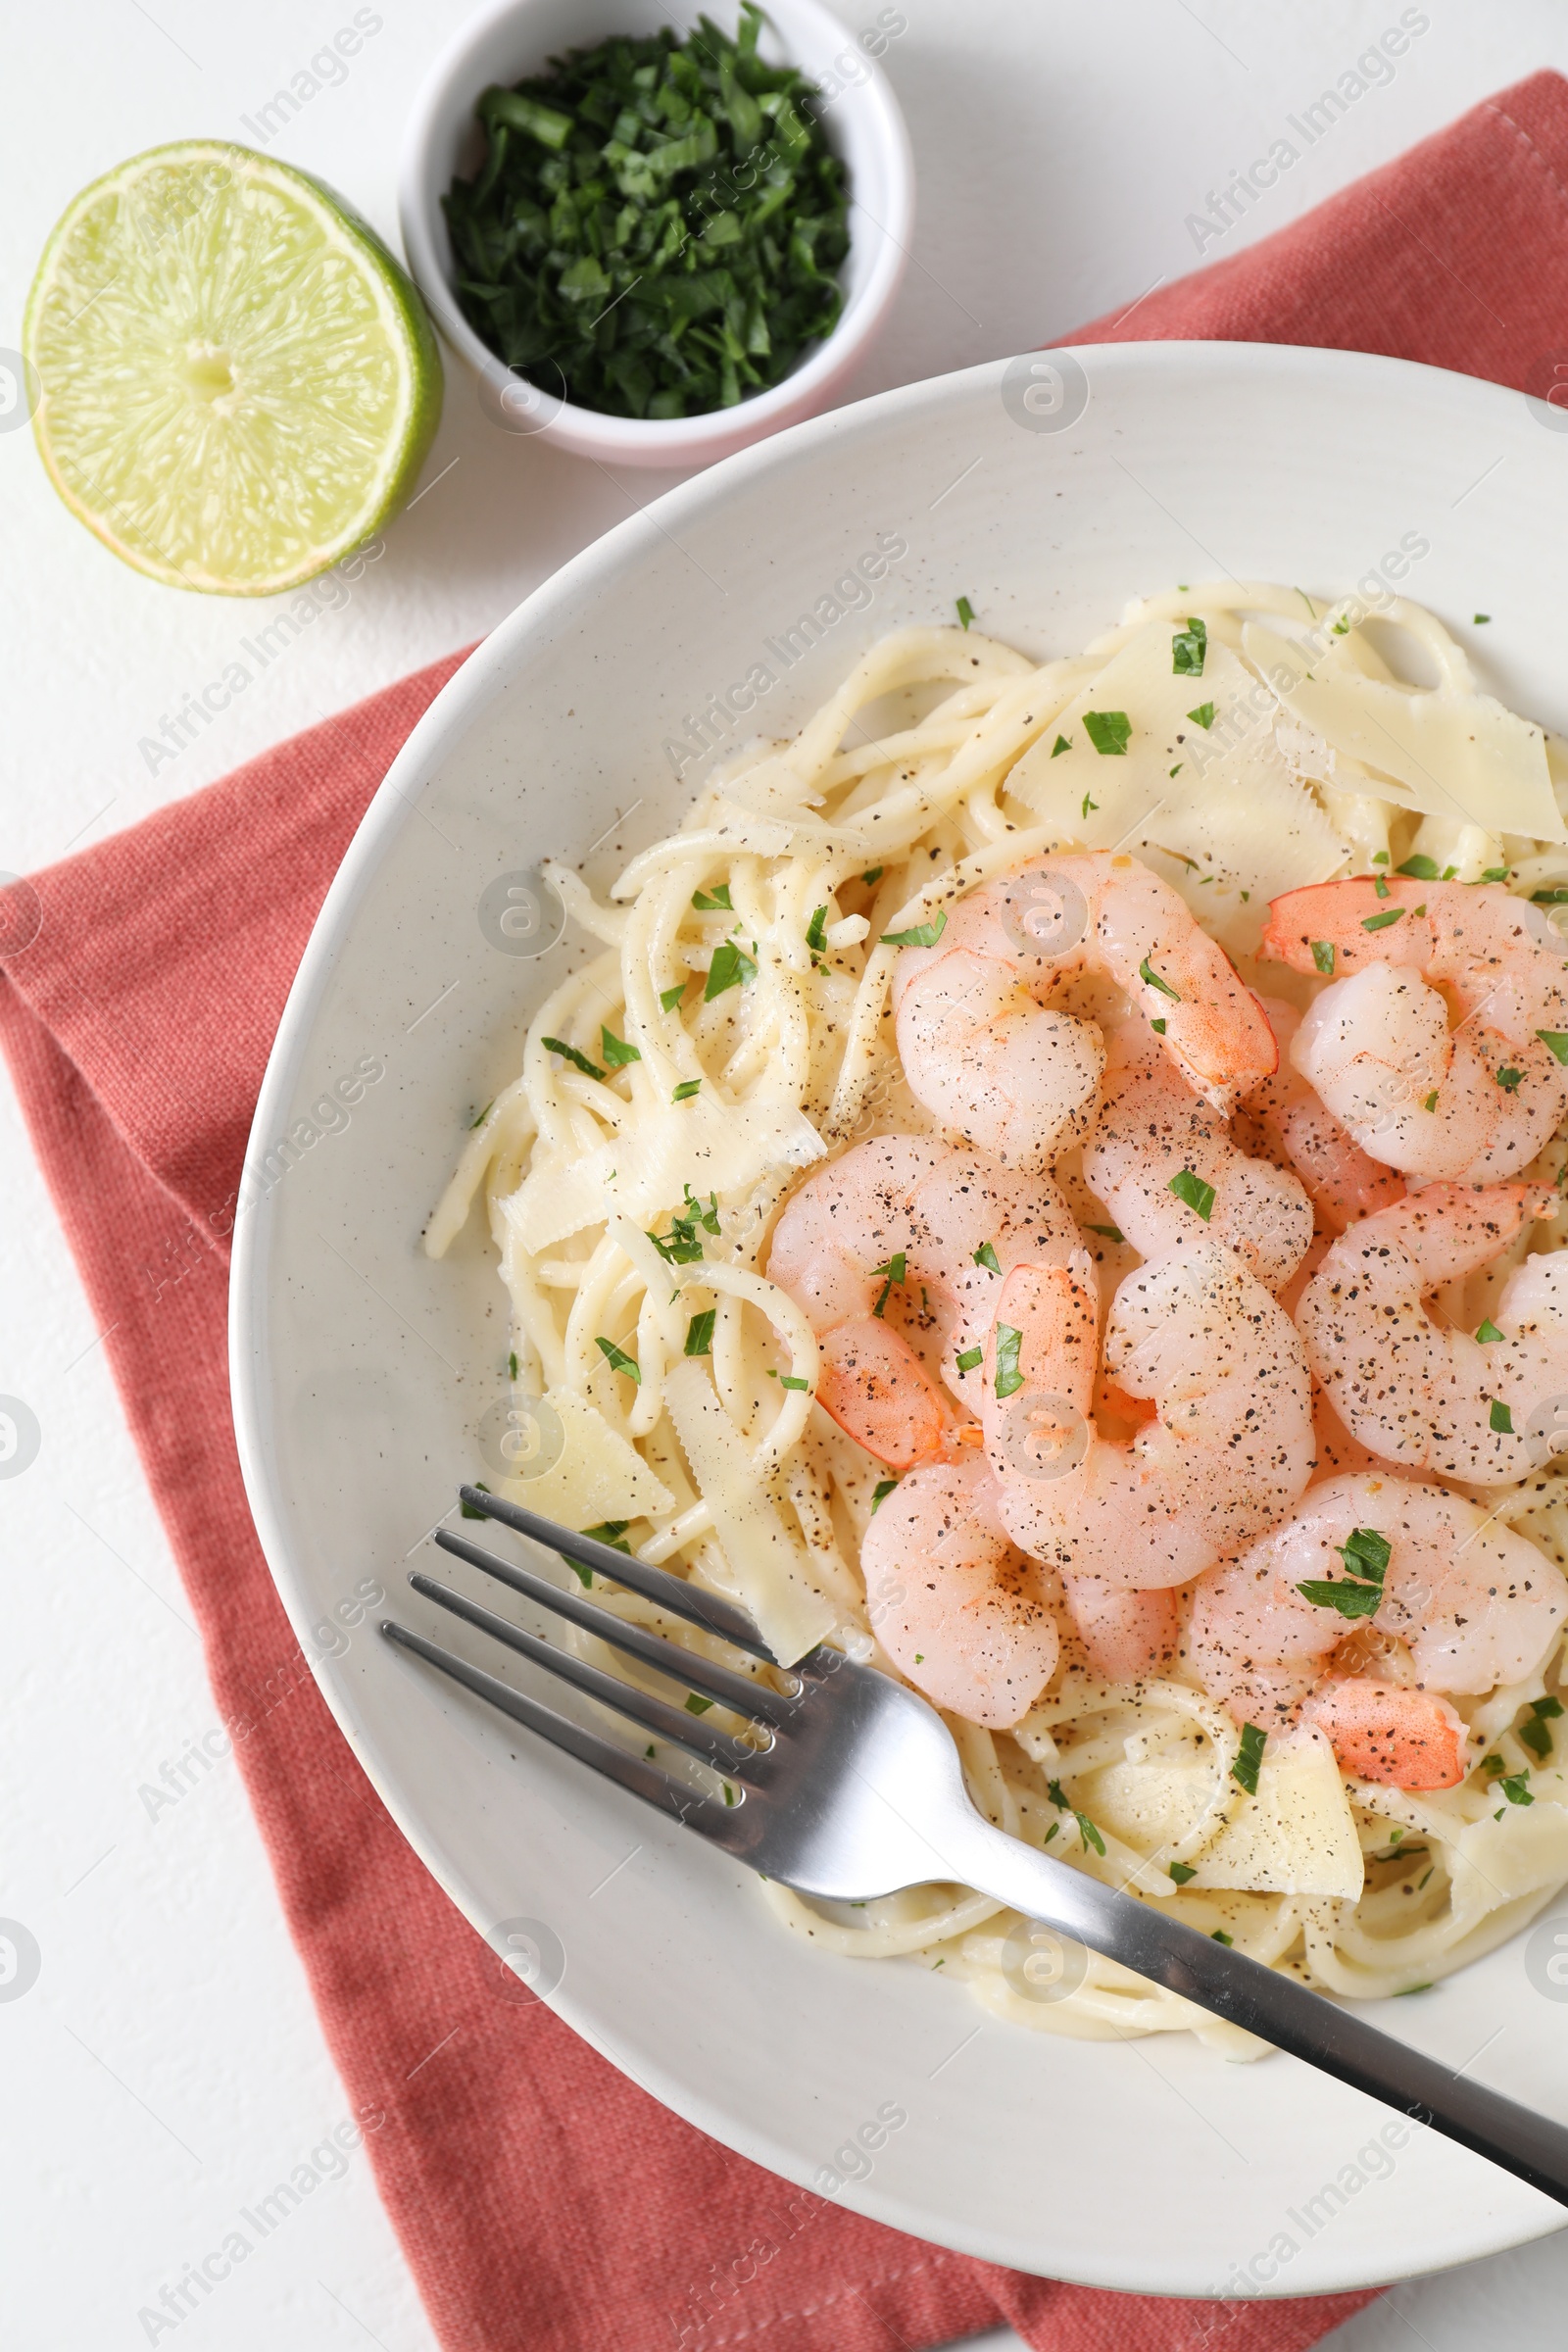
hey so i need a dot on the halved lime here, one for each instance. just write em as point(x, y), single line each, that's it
point(239, 383)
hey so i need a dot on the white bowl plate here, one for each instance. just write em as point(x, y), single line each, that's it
point(1048, 492)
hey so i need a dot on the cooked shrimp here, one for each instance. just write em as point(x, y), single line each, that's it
point(1228, 1450)
point(1471, 1102)
point(1342, 1181)
point(837, 1250)
point(1475, 1605)
point(988, 1053)
point(957, 1608)
point(1128, 1635)
point(1164, 1165)
point(1414, 1391)
point(1466, 1602)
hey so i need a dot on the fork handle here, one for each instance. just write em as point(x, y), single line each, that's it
point(1278, 2008)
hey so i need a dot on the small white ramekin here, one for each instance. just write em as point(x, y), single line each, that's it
point(509, 38)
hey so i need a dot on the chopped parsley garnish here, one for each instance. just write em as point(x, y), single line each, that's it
point(1191, 1188)
point(1218, 1936)
point(1488, 1331)
point(1430, 1102)
point(616, 1051)
point(1089, 1833)
point(970, 1357)
point(1380, 858)
point(715, 901)
point(1555, 1041)
point(1063, 743)
point(986, 1257)
point(686, 1088)
point(609, 1530)
point(1112, 1233)
point(467, 1509)
point(1494, 873)
point(1534, 1734)
point(696, 1705)
point(618, 1361)
point(1187, 650)
point(669, 997)
point(1501, 1418)
point(512, 1365)
point(816, 931)
point(731, 965)
point(790, 1380)
point(1203, 715)
point(681, 1247)
point(1088, 804)
point(1536, 1738)
point(580, 1061)
point(1053, 1830)
point(1556, 896)
point(700, 1332)
point(893, 1272)
point(1323, 956)
point(965, 611)
point(881, 1491)
point(1380, 886)
point(657, 225)
point(1147, 972)
point(919, 935)
point(1359, 1592)
point(1514, 1790)
point(1176, 771)
point(1108, 731)
point(1420, 867)
point(475, 1124)
point(1381, 922)
point(1509, 1079)
point(1009, 1377)
point(1159, 1027)
point(1181, 1872)
point(1249, 1757)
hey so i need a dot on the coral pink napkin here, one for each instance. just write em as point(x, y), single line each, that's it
point(542, 2200)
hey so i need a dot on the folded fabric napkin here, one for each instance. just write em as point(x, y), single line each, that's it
point(542, 2200)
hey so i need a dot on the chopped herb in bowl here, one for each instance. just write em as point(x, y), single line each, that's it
point(658, 226)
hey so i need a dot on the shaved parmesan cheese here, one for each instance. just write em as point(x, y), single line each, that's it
point(1498, 1861)
point(1445, 753)
point(771, 1565)
point(1234, 816)
point(1294, 1836)
point(599, 1475)
point(712, 1145)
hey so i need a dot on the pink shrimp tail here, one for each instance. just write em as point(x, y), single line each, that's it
point(876, 1389)
point(1390, 1732)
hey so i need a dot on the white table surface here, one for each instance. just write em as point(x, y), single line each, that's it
point(165, 2069)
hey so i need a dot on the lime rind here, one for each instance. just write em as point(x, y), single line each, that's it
point(239, 382)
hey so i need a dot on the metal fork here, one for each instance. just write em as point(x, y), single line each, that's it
point(849, 1785)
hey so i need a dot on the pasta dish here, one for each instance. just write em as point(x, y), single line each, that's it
point(1050, 1181)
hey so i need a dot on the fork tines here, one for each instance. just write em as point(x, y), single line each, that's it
point(680, 1727)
